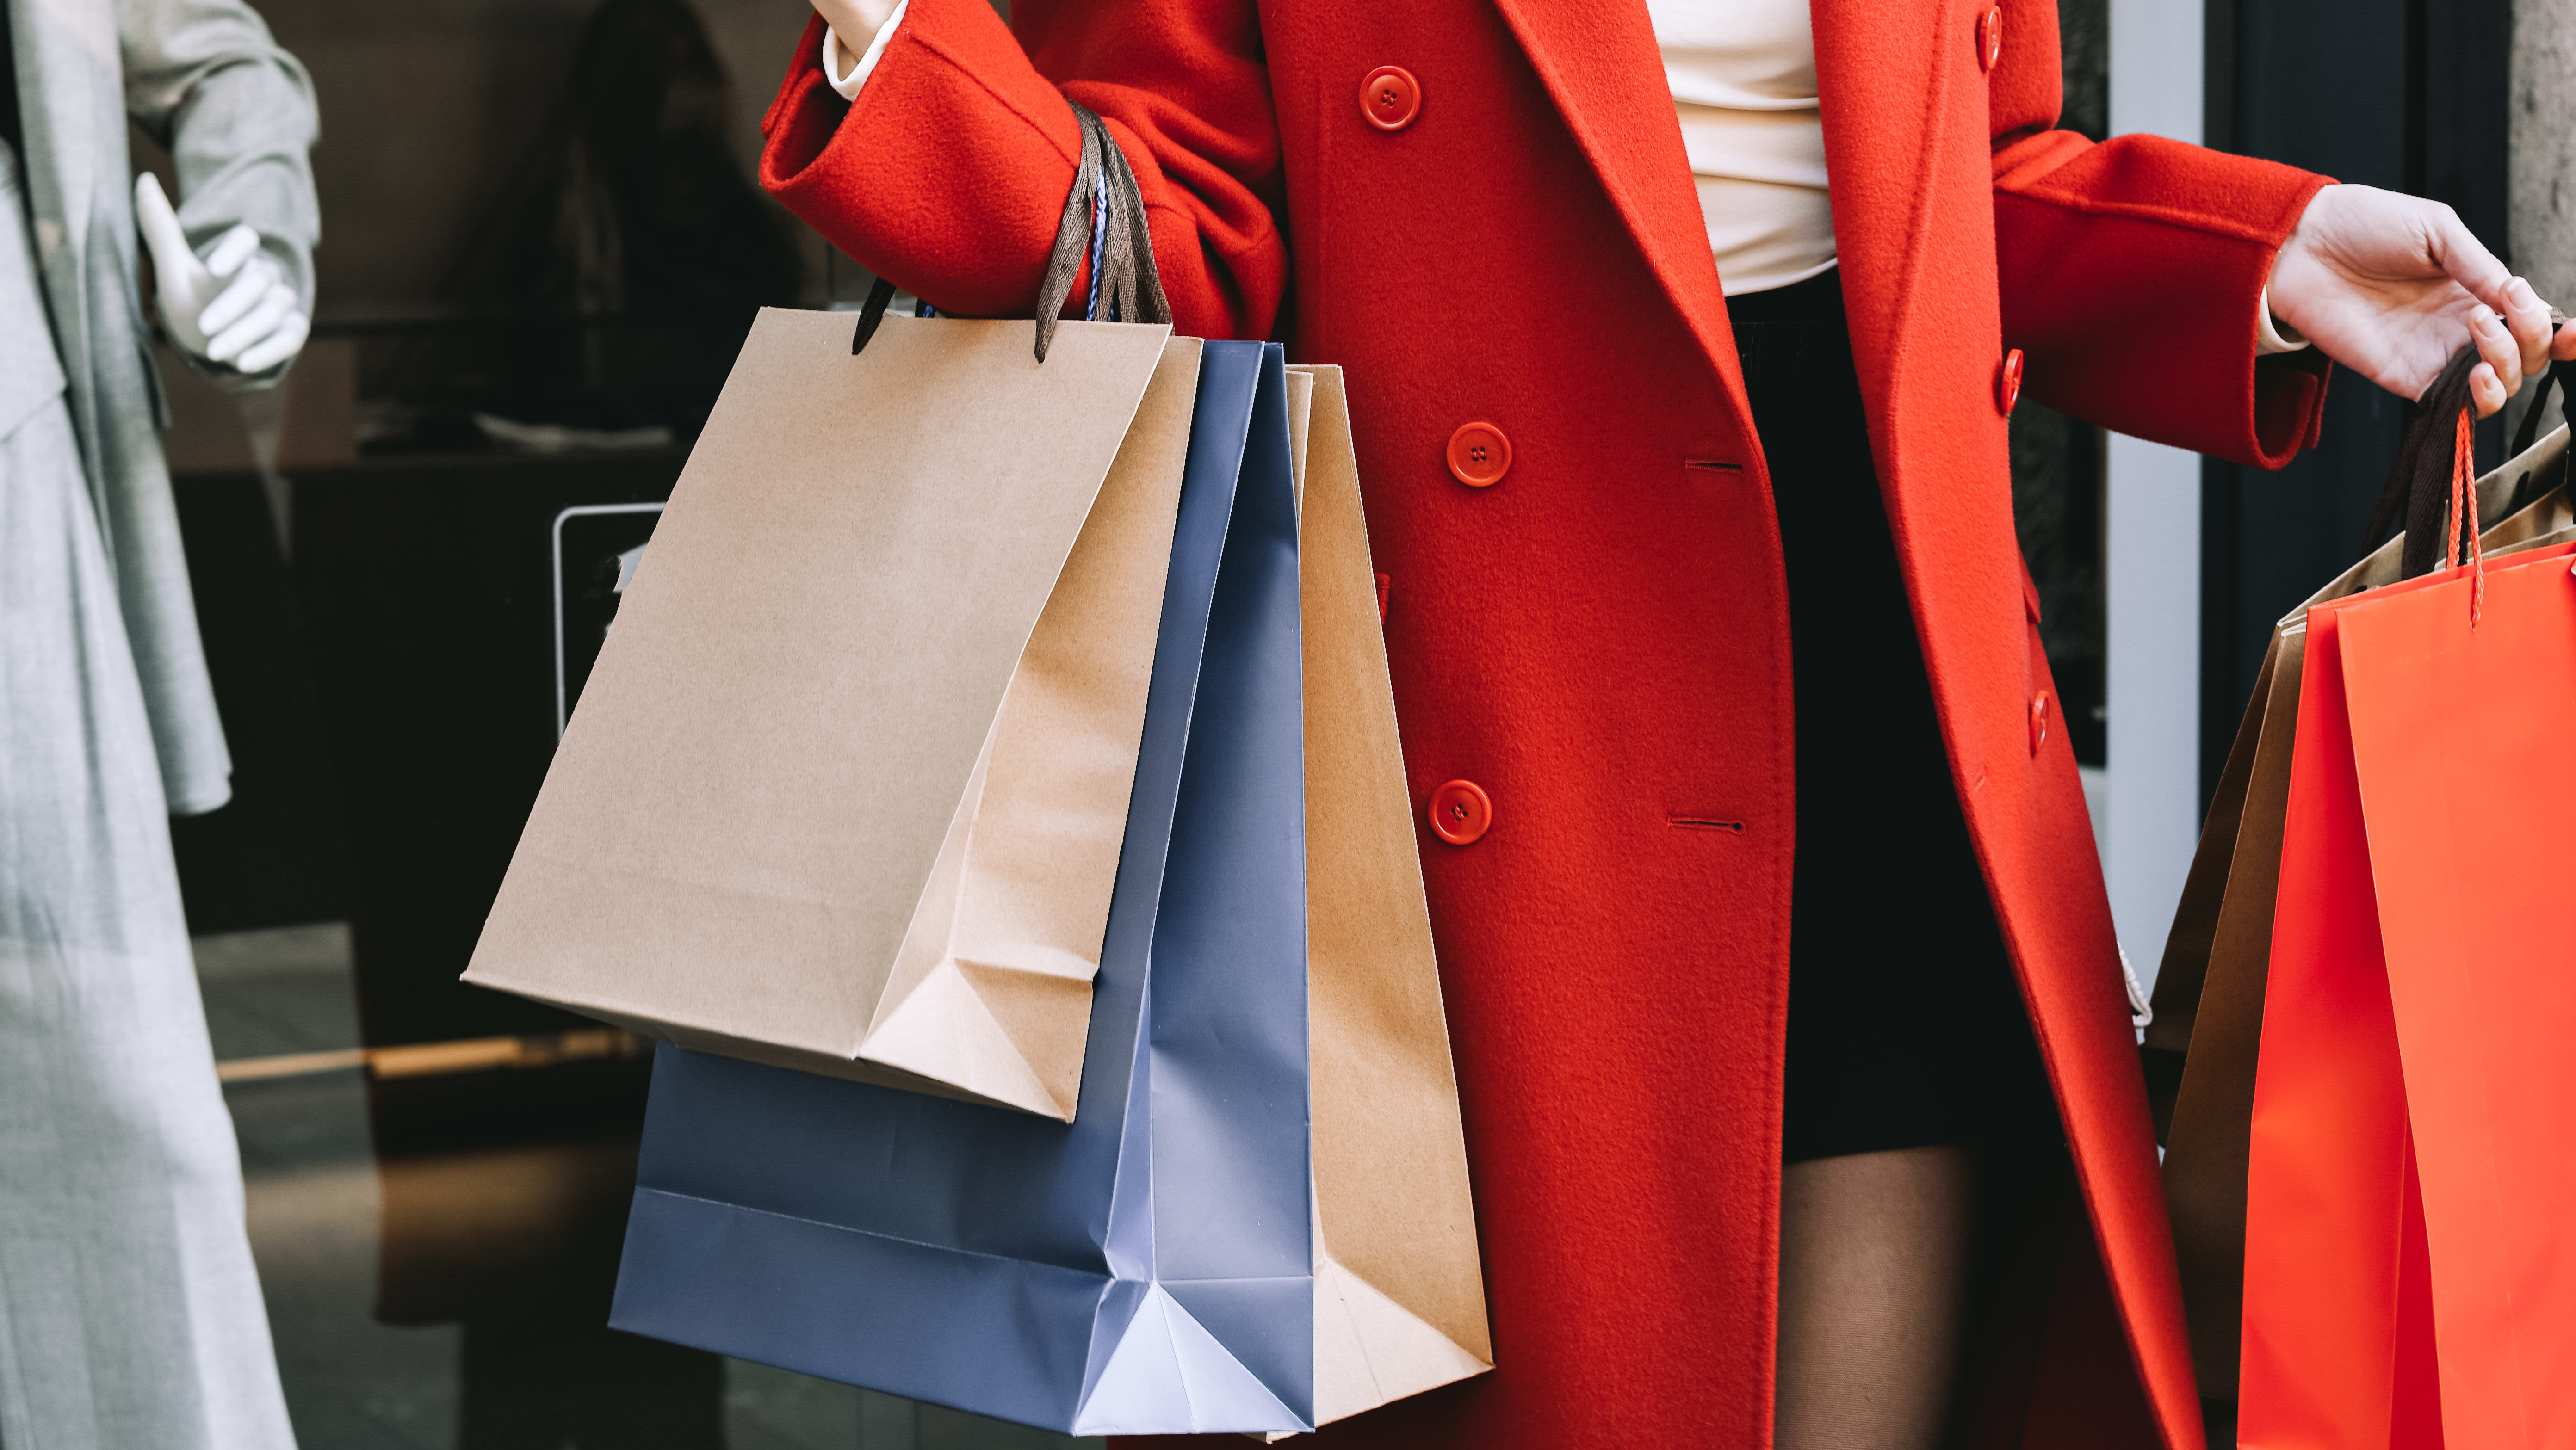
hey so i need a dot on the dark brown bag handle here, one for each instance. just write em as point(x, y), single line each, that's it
point(2562, 376)
point(2419, 484)
point(2526, 489)
point(1105, 210)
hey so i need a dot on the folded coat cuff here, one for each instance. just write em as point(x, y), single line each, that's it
point(901, 179)
point(2134, 274)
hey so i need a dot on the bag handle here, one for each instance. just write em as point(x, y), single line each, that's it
point(2435, 481)
point(2562, 376)
point(2464, 516)
point(2419, 483)
point(1121, 247)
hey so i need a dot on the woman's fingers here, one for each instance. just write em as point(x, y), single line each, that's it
point(2527, 318)
point(2376, 278)
point(2467, 261)
point(2502, 353)
point(2485, 391)
point(2504, 347)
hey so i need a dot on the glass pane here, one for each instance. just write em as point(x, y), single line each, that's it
point(436, 1230)
point(544, 242)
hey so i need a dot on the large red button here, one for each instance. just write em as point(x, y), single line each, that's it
point(1990, 38)
point(2008, 382)
point(2038, 721)
point(1461, 813)
point(1390, 98)
point(1479, 455)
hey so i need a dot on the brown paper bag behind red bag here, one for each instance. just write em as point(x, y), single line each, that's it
point(847, 788)
point(2210, 988)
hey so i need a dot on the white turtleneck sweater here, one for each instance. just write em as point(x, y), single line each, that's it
point(1743, 78)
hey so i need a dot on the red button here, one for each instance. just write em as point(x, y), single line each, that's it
point(1390, 98)
point(1460, 813)
point(2008, 382)
point(1990, 38)
point(2038, 722)
point(1479, 455)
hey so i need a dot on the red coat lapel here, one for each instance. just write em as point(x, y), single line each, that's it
point(1598, 60)
point(1876, 74)
point(1880, 89)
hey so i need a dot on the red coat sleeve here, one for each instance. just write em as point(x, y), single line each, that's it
point(2132, 269)
point(949, 172)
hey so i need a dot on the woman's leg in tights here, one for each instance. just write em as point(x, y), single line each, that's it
point(1874, 1266)
point(1905, 1025)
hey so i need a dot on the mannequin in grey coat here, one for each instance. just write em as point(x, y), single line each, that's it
point(130, 1315)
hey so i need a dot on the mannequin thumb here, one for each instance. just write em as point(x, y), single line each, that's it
point(173, 260)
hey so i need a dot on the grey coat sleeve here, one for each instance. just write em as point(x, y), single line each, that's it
point(204, 78)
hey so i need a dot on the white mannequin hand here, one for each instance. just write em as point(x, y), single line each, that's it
point(2391, 285)
point(235, 306)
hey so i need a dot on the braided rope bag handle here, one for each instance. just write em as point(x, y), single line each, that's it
point(1104, 219)
point(2464, 509)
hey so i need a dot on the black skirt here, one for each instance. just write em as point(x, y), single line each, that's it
point(1906, 1027)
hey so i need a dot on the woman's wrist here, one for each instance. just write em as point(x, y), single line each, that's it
point(2271, 334)
point(847, 59)
point(856, 22)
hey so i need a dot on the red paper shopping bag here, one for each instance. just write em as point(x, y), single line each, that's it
point(2410, 1264)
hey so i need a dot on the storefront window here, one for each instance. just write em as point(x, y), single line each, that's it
point(542, 245)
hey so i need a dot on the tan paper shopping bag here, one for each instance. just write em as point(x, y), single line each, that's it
point(847, 788)
point(1399, 1294)
point(2210, 988)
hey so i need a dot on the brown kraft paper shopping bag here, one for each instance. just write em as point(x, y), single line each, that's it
point(847, 788)
point(1399, 1294)
point(2209, 989)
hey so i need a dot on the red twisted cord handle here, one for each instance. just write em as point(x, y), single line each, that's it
point(2464, 495)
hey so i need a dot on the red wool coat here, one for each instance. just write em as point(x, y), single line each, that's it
point(1600, 640)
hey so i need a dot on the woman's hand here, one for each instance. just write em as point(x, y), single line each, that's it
point(2391, 285)
point(854, 22)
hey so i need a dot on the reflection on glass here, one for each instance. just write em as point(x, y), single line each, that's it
point(436, 1227)
point(545, 248)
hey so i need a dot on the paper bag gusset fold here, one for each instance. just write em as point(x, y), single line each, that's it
point(1399, 1290)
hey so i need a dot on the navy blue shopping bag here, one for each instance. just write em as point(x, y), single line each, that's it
point(1146, 1268)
